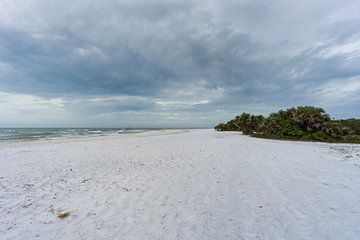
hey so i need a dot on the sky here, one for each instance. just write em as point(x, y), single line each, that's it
point(188, 63)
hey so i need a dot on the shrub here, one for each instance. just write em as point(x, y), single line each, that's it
point(303, 122)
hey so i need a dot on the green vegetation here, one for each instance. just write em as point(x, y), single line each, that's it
point(301, 123)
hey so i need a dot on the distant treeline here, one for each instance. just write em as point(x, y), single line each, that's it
point(301, 123)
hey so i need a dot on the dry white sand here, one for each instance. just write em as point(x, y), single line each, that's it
point(198, 184)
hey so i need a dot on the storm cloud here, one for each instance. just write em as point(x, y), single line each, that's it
point(174, 63)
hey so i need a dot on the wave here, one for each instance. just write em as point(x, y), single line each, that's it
point(9, 130)
point(95, 131)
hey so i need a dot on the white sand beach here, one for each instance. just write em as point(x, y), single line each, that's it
point(180, 184)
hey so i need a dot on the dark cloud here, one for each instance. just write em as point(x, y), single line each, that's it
point(186, 58)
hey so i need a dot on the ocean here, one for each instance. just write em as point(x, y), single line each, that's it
point(28, 134)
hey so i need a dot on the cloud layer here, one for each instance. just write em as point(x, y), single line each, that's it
point(167, 63)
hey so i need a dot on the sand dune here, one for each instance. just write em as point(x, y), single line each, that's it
point(196, 184)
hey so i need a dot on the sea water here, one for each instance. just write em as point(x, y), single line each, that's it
point(27, 134)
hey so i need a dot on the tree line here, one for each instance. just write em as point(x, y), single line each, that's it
point(302, 123)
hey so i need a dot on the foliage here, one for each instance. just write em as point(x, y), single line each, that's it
point(303, 123)
point(352, 123)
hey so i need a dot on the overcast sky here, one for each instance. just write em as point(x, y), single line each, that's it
point(120, 63)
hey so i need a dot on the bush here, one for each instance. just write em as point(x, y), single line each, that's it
point(304, 122)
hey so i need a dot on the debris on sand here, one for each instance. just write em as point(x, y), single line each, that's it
point(62, 214)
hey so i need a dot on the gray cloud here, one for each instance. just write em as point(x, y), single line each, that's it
point(183, 63)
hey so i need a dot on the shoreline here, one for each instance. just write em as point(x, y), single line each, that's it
point(148, 133)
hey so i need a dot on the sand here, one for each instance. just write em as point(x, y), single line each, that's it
point(195, 184)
